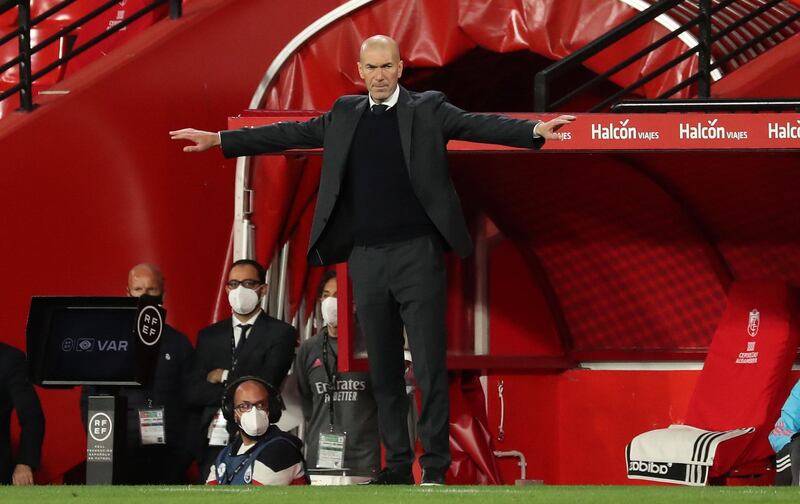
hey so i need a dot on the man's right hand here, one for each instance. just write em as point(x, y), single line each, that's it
point(203, 140)
point(215, 376)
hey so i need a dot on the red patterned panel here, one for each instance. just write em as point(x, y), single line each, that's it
point(629, 267)
point(750, 203)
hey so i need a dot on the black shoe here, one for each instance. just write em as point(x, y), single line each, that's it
point(432, 477)
point(389, 476)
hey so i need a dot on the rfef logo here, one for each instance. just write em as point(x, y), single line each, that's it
point(100, 427)
point(149, 325)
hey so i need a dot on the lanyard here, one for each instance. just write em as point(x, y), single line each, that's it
point(233, 353)
point(330, 374)
point(243, 329)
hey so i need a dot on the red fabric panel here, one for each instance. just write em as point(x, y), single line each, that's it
point(222, 308)
point(313, 278)
point(731, 394)
point(470, 440)
point(432, 34)
point(304, 195)
point(275, 180)
point(297, 265)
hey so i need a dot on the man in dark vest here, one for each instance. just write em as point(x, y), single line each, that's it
point(387, 206)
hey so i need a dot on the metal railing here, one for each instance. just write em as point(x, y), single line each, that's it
point(23, 33)
point(544, 80)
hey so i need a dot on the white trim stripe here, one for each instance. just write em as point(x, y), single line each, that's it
point(310, 30)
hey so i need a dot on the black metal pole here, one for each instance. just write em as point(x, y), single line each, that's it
point(540, 92)
point(175, 9)
point(26, 91)
point(704, 82)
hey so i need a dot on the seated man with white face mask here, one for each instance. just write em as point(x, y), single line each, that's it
point(249, 343)
point(336, 405)
point(261, 453)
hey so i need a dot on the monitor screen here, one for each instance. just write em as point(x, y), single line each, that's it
point(91, 341)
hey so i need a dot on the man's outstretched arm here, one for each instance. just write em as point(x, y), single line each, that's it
point(549, 129)
point(259, 140)
point(499, 129)
point(203, 140)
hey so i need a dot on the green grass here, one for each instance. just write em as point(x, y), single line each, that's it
point(399, 495)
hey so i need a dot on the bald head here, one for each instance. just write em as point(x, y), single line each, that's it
point(380, 66)
point(145, 279)
point(381, 42)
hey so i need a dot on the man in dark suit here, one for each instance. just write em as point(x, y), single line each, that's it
point(387, 205)
point(17, 393)
point(250, 343)
point(164, 456)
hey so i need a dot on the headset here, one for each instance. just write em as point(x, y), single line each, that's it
point(274, 400)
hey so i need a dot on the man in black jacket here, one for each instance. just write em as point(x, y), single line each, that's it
point(249, 343)
point(17, 393)
point(387, 206)
point(163, 456)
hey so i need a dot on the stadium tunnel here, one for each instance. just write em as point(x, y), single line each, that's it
point(601, 257)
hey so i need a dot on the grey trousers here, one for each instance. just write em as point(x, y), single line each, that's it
point(399, 284)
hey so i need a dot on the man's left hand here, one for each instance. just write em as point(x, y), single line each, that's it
point(215, 375)
point(549, 129)
point(23, 475)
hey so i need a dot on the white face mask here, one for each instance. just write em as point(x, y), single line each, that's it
point(255, 422)
point(330, 314)
point(243, 300)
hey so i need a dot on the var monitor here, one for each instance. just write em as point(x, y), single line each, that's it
point(93, 340)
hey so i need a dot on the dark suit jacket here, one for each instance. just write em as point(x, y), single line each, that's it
point(426, 120)
point(16, 392)
point(268, 353)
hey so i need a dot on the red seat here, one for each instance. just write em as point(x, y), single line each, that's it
point(39, 60)
point(744, 381)
point(9, 18)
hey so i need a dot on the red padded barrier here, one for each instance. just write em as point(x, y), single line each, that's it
point(746, 372)
point(433, 34)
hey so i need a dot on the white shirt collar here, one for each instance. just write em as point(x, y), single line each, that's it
point(389, 102)
point(251, 320)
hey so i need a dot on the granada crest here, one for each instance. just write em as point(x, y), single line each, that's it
point(753, 322)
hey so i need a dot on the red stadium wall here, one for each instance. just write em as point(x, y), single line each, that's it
point(91, 183)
